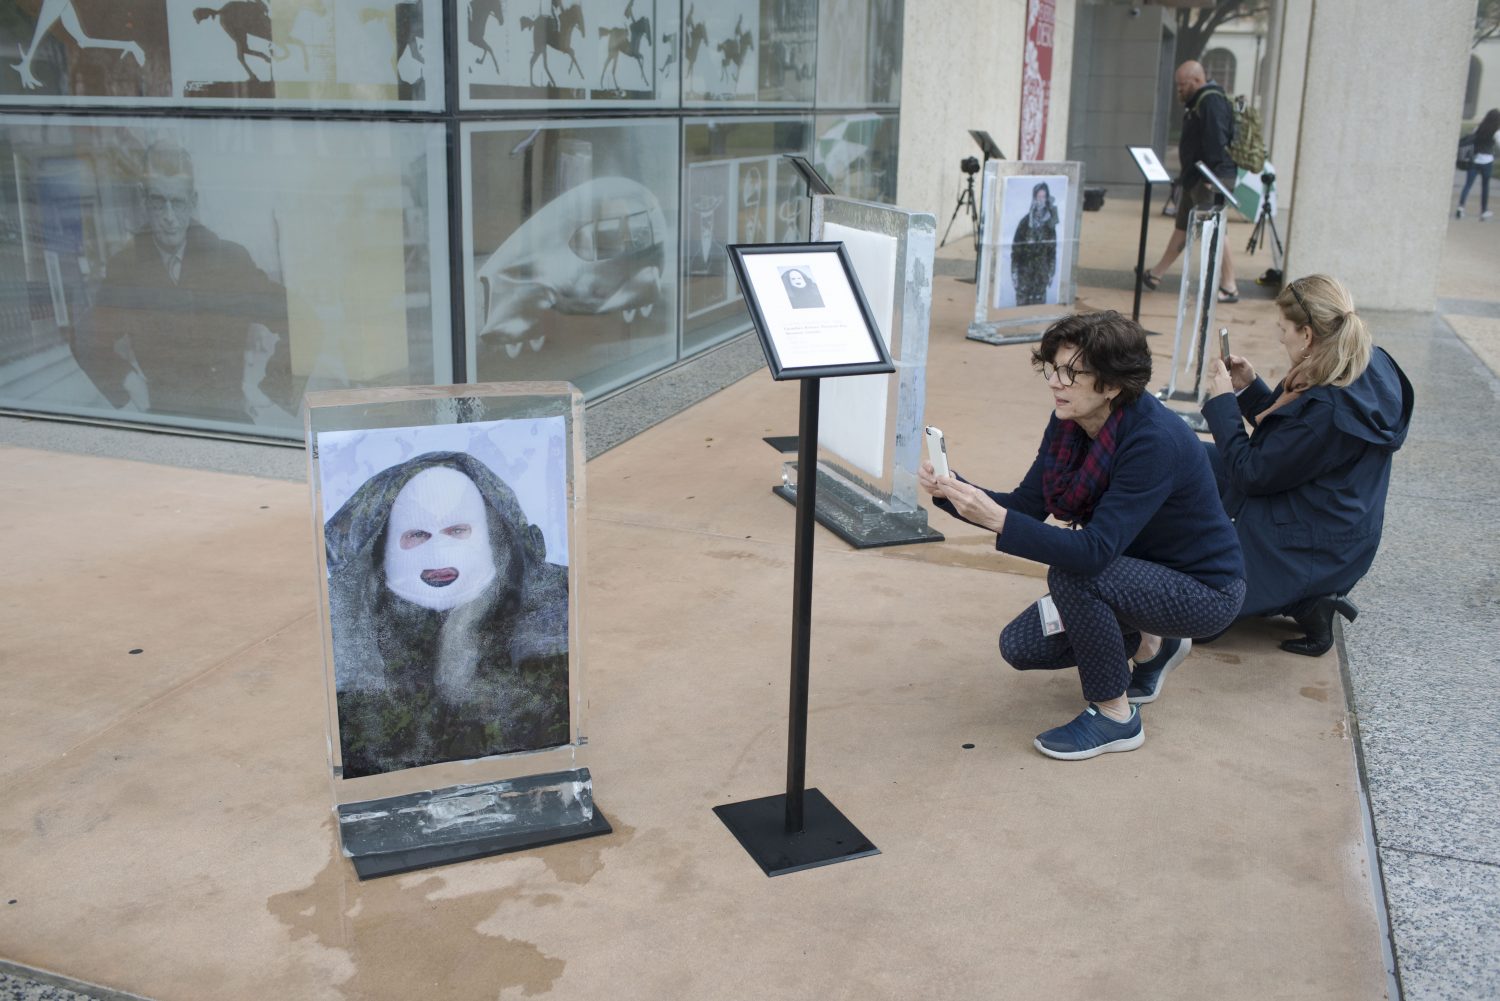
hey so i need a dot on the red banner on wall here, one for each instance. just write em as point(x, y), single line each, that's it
point(1036, 77)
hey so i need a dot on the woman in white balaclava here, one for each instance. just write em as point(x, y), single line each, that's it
point(450, 628)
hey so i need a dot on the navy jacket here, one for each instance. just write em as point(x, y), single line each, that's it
point(1161, 505)
point(1307, 489)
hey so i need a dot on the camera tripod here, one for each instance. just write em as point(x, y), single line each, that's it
point(1263, 219)
point(965, 197)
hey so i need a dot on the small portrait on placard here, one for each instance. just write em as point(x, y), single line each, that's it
point(448, 591)
point(801, 291)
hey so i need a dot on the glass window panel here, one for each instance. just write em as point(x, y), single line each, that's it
point(745, 52)
point(738, 189)
point(859, 53)
point(856, 154)
point(614, 53)
point(366, 54)
point(206, 272)
point(570, 232)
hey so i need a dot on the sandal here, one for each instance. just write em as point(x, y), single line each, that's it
point(1226, 295)
point(1149, 280)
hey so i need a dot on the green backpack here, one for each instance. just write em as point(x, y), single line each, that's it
point(1248, 148)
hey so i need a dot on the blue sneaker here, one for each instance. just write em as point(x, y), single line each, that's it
point(1147, 677)
point(1092, 733)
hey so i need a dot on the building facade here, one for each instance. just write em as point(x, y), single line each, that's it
point(208, 209)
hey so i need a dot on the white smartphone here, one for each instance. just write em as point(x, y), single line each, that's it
point(1224, 344)
point(937, 450)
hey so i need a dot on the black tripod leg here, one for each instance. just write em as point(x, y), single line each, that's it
point(951, 220)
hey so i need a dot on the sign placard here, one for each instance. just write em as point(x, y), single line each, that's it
point(816, 185)
point(809, 311)
point(987, 144)
point(1150, 164)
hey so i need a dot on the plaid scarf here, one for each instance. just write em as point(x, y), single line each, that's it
point(1075, 469)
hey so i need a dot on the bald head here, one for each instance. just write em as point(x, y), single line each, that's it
point(1189, 78)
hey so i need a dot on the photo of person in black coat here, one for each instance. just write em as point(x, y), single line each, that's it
point(1306, 486)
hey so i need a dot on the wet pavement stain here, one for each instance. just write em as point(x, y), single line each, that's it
point(401, 944)
point(1315, 692)
point(577, 862)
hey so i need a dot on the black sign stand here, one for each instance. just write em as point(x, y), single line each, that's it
point(1140, 257)
point(801, 829)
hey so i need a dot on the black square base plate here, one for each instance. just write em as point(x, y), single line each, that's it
point(827, 836)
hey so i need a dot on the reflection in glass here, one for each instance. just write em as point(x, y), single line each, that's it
point(750, 51)
point(206, 273)
point(572, 237)
point(623, 52)
point(859, 53)
point(734, 167)
point(227, 53)
point(857, 154)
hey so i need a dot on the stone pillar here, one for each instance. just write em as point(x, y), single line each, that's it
point(961, 70)
point(1116, 82)
point(1381, 98)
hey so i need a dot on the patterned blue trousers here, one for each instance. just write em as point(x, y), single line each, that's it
point(1103, 618)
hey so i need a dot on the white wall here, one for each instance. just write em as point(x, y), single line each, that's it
point(1374, 151)
point(961, 70)
point(1488, 53)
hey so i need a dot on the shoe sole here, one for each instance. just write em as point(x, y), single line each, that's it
point(1123, 744)
point(1161, 681)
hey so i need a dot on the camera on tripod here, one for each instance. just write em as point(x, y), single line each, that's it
point(969, 165)
point(1267, 177)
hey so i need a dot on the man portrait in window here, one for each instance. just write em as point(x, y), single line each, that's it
point(184, 322)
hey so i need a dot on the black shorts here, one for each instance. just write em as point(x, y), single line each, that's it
point(1199, 196)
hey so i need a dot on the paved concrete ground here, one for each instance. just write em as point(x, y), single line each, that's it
point(1422, 654)
point(164, 824)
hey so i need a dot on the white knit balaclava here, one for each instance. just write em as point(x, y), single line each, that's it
point(437, 545)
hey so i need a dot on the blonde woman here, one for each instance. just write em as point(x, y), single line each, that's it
point(1306, 487)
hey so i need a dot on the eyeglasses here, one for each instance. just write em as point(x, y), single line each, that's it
point(1066, 374)
point(1305, 312)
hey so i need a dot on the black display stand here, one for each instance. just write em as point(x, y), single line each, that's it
point(1140, 257)
point(801, 829)
point(1152, 172)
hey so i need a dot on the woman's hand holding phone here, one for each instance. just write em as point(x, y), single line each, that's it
point(1241, 372)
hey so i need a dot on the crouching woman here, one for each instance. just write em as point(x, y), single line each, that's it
point(1148, 547)
point(1307, 487)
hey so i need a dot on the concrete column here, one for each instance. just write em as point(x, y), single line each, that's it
point(961, 70)
point(1116, 80)
point(1283, 117)
point(1272, 75)
point(1381, 100)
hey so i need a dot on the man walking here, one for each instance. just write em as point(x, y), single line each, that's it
point(1207, 131)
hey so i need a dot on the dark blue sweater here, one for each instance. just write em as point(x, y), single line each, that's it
point(1162, 505)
